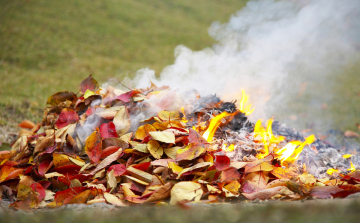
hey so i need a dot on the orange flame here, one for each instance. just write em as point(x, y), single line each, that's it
point(214, 124)
point(245, 109)
point(184, 120)
point(292, 150)
point(331, 171)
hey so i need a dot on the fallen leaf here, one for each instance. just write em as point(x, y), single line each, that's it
point(222, 162)
point(162, 193)
point(166, 137)
point(112, 199)
point(119, 169)
point(122, 121)
point(263, 194)
point(169, 115)
point(93, 146)
point(88, 84)
point(351, 134)
point(233, 187)
point(111, 180)
point(229, 175)
point(80, 198)
point(66, 117)
point(196, 139)
point(283, 173)
point(186, 171)
point(26, 124)
point(172, 151)
point(258, 165)
point(39, 189)
point(190, 152)
point(59, 97)
point(155, 149)
point(61, 160)
point(143, 131)
point(175, 168)
point(108, 130)
point(107, 161)
point(185, 191)
point(324, 192)
point(142, 175)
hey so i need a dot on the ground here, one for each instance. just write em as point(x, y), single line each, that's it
point(50, 46)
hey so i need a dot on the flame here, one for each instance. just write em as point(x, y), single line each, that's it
point(352, 168)
point(228, 149)
point(331, 171)
point(292, 150)
point(345, 156)
point(184, 120)
point(245, 109)
point(214, 124)
point(267, 136)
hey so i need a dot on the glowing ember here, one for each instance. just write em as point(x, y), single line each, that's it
point(331, 171)
point(245, 109)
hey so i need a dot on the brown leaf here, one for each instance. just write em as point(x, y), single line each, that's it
point(61, 97)
point(263, 194)
point(351, 134)
point(162, 193)
point(41, 144)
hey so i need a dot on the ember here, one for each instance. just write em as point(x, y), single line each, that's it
point(152, 146)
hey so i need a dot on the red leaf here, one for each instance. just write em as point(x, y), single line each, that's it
point(119, 169)
point(126, 96)
point(108, 151)
point(346, 191)
point(196, 138)
point(229, 175)
point(142, 166)
point(249, 187)
point(222, 162)
point(44, 184)
point(44, 166)
point(107, 130)
point(89, 83)
point(68, 170)
point(40, 189)
point(66, 117)
point(63, 197)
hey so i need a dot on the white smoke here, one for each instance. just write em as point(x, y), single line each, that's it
point(268, 48)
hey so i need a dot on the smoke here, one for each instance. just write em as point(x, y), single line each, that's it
point(270, 48)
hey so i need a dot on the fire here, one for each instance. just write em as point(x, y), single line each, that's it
point(331, 171)
point(245, 109)
point(184, 120)
point(266, 135)
point(214, 124)
point(345, 156)
point(228, 149)
point(352, 168)
point(292, 150)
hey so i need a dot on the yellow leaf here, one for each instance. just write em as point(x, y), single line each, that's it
point(88, 93)
point(186, 191)
point(174, 167)
point(127, 137)
point(112, 199)
point(53, 174)
point(155, 149)
point(141, 148)
point(307, 178)
point(166, 137)
point(190, 152)
point(23, 191)
point(143, 131)
point(137, 180)
point(122, 121)
point(171, 152)
point(233, 187)
point(61, 160)
point(78, 162)
point(169, 115)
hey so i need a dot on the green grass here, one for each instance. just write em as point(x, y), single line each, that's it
point(50, 46)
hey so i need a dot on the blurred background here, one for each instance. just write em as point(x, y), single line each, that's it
point(51, 46)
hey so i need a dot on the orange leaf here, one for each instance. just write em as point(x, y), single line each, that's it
point(143, 131)
point(27, 124)
point(93, 146)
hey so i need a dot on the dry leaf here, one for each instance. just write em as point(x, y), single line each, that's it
point(112, 199)
point(162, 193)
point(351, 134)
point(107, 161)
point(196, 166)
point(122, 121)
point(144, 176)
point(166, 137)
point(111, 180)
point(186, 191)
point(155, 149)
point(263, 194)
point(143, 131)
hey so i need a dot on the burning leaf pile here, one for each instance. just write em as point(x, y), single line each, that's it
point(154, 146)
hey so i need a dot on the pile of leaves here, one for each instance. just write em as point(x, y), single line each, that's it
point(62, 160)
